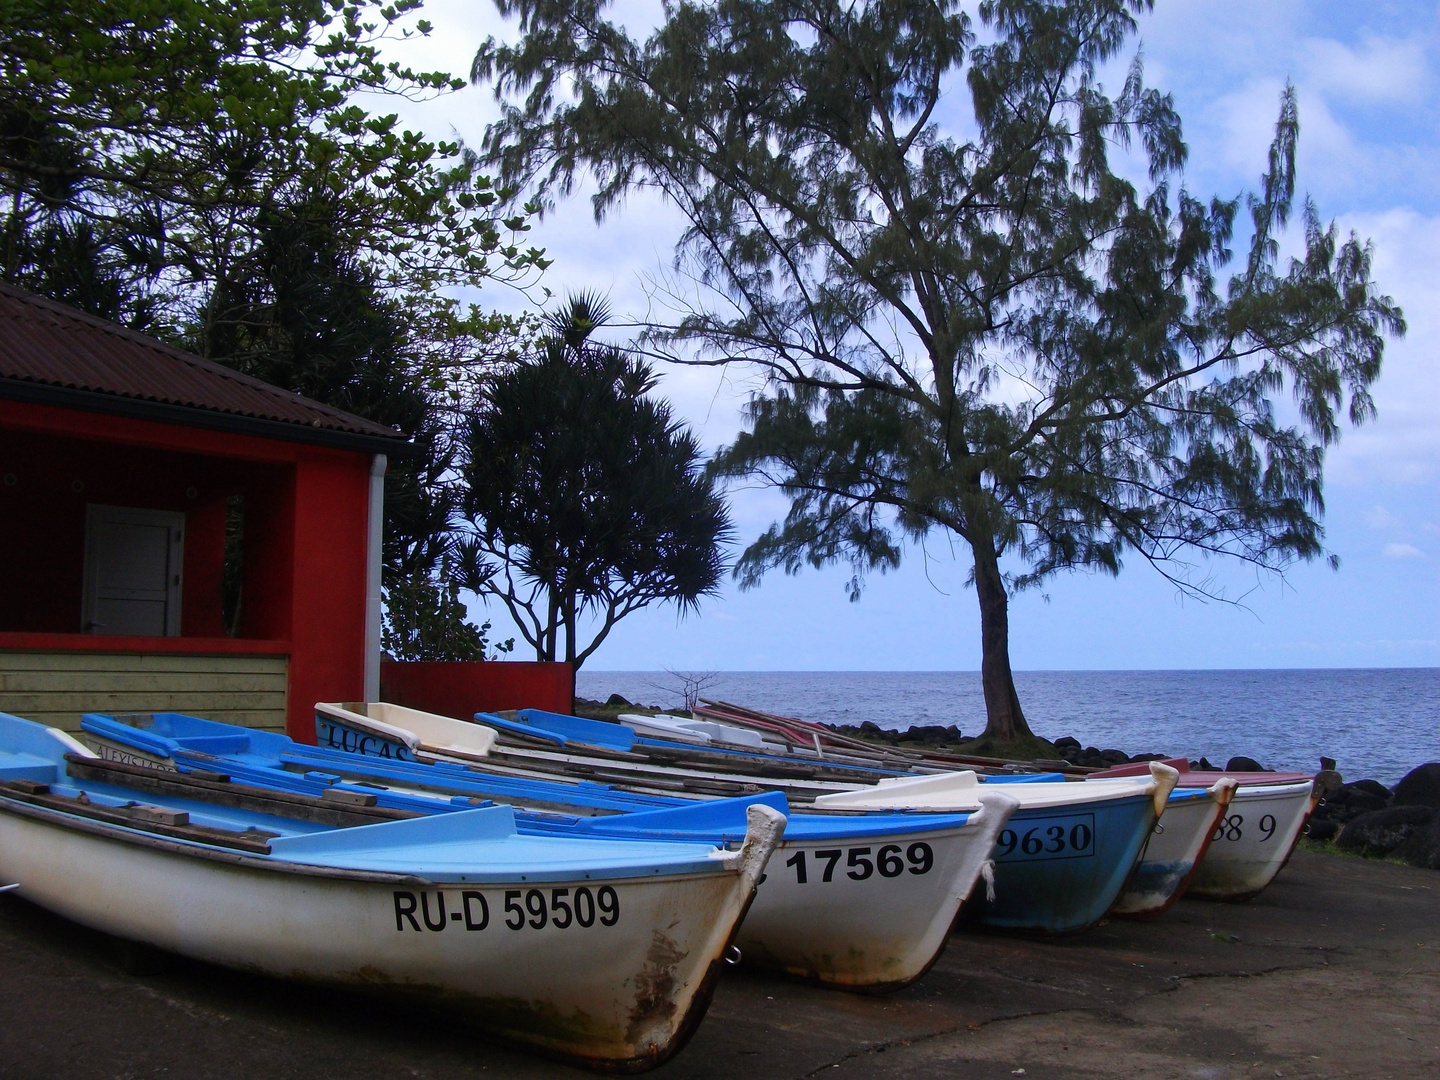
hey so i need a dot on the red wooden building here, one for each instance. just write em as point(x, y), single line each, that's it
point(175, 535)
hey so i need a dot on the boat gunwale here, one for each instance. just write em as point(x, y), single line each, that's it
point(60, 819)
point(140, 838)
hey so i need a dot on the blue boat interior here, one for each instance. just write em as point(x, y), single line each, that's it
point(448, 786)
point(473, 844)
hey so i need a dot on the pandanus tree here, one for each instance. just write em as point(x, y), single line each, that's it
point(588, 500)
point(983, 298)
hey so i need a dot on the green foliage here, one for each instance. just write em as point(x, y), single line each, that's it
point(425, 619)
point(585, 493)
point(977, 324)
point(154, 141)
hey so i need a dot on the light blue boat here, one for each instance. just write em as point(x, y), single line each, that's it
point(461, 909)
point(849, 900)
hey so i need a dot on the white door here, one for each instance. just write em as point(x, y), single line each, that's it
point(132, 571)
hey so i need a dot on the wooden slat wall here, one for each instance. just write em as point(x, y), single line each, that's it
point(55, 688)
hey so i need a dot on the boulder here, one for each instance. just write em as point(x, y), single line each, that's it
point(1421, 786)
point(1065, 742)
point(1360, 798)
point(869, 727)
point(1244, 764)
point(1114, 757)
point(1382, 831)
point(1370, 787)
point(1422, 847)
point(1203, 763)
point(1318, 828)
point(615, 701)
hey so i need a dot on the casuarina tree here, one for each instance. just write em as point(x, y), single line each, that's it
point(588, 499)
point(985, 301)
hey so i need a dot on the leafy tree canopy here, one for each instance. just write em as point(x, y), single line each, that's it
point(147, 145)
point(586, 496)
point(1012, 322)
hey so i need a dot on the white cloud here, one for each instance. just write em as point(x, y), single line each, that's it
point(1403, 443)
point(1380, 518)
point(1377, 70)
point(1402, 551)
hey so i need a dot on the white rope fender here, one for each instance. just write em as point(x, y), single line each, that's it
point(987, 873)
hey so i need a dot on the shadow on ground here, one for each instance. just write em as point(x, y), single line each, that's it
point(1332, 972)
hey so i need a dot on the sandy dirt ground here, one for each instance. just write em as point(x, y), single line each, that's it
point(1332, 972)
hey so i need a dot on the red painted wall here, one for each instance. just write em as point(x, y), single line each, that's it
point(331, 505)
point(306, 509)
point(463, 688)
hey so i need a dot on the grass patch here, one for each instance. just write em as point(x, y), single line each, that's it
point(1027, 748)
point(1325, 847)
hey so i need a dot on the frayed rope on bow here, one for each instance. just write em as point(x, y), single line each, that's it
point(987, 872)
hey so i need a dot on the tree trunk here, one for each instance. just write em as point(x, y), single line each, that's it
point(570, 630)
point(1004, 718)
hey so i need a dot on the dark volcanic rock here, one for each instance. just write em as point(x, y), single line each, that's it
point(1360, 799)
point(1318, 828)
point(1203, 763)
point(1065, 742)
point(1244, 764)
point(1421, 786)
point(616, 701)
point(1371, 787)
point(1115, 757)
point(1422, 847)
point(1382, 831)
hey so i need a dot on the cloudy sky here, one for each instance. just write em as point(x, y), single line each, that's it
point(1368, 76)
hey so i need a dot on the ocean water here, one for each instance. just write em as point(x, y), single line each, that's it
point(1374, 722)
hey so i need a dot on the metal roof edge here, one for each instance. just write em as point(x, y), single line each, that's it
point(398, 445)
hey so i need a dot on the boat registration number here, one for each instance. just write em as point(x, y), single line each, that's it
point(1054, 838)
point(1233, 828)
point(862, 862)
point(534, 909)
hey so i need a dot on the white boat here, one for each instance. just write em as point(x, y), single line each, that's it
point(601, 952)
point(1253, 840)
point(853, 900)
point(1175, 851)
point(665, 726)
point(662, 726)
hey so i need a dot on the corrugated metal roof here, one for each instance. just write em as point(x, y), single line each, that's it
point(48, 344)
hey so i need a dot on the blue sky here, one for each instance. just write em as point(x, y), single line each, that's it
point(1368, 77)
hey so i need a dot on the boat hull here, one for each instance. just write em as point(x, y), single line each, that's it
point(873, 913)
point(1173, 852)
point(643, 985)
point(875, 923)
point(1059, 870)
point(1253, 841)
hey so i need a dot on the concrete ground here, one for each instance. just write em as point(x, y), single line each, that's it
point(1332, 972)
